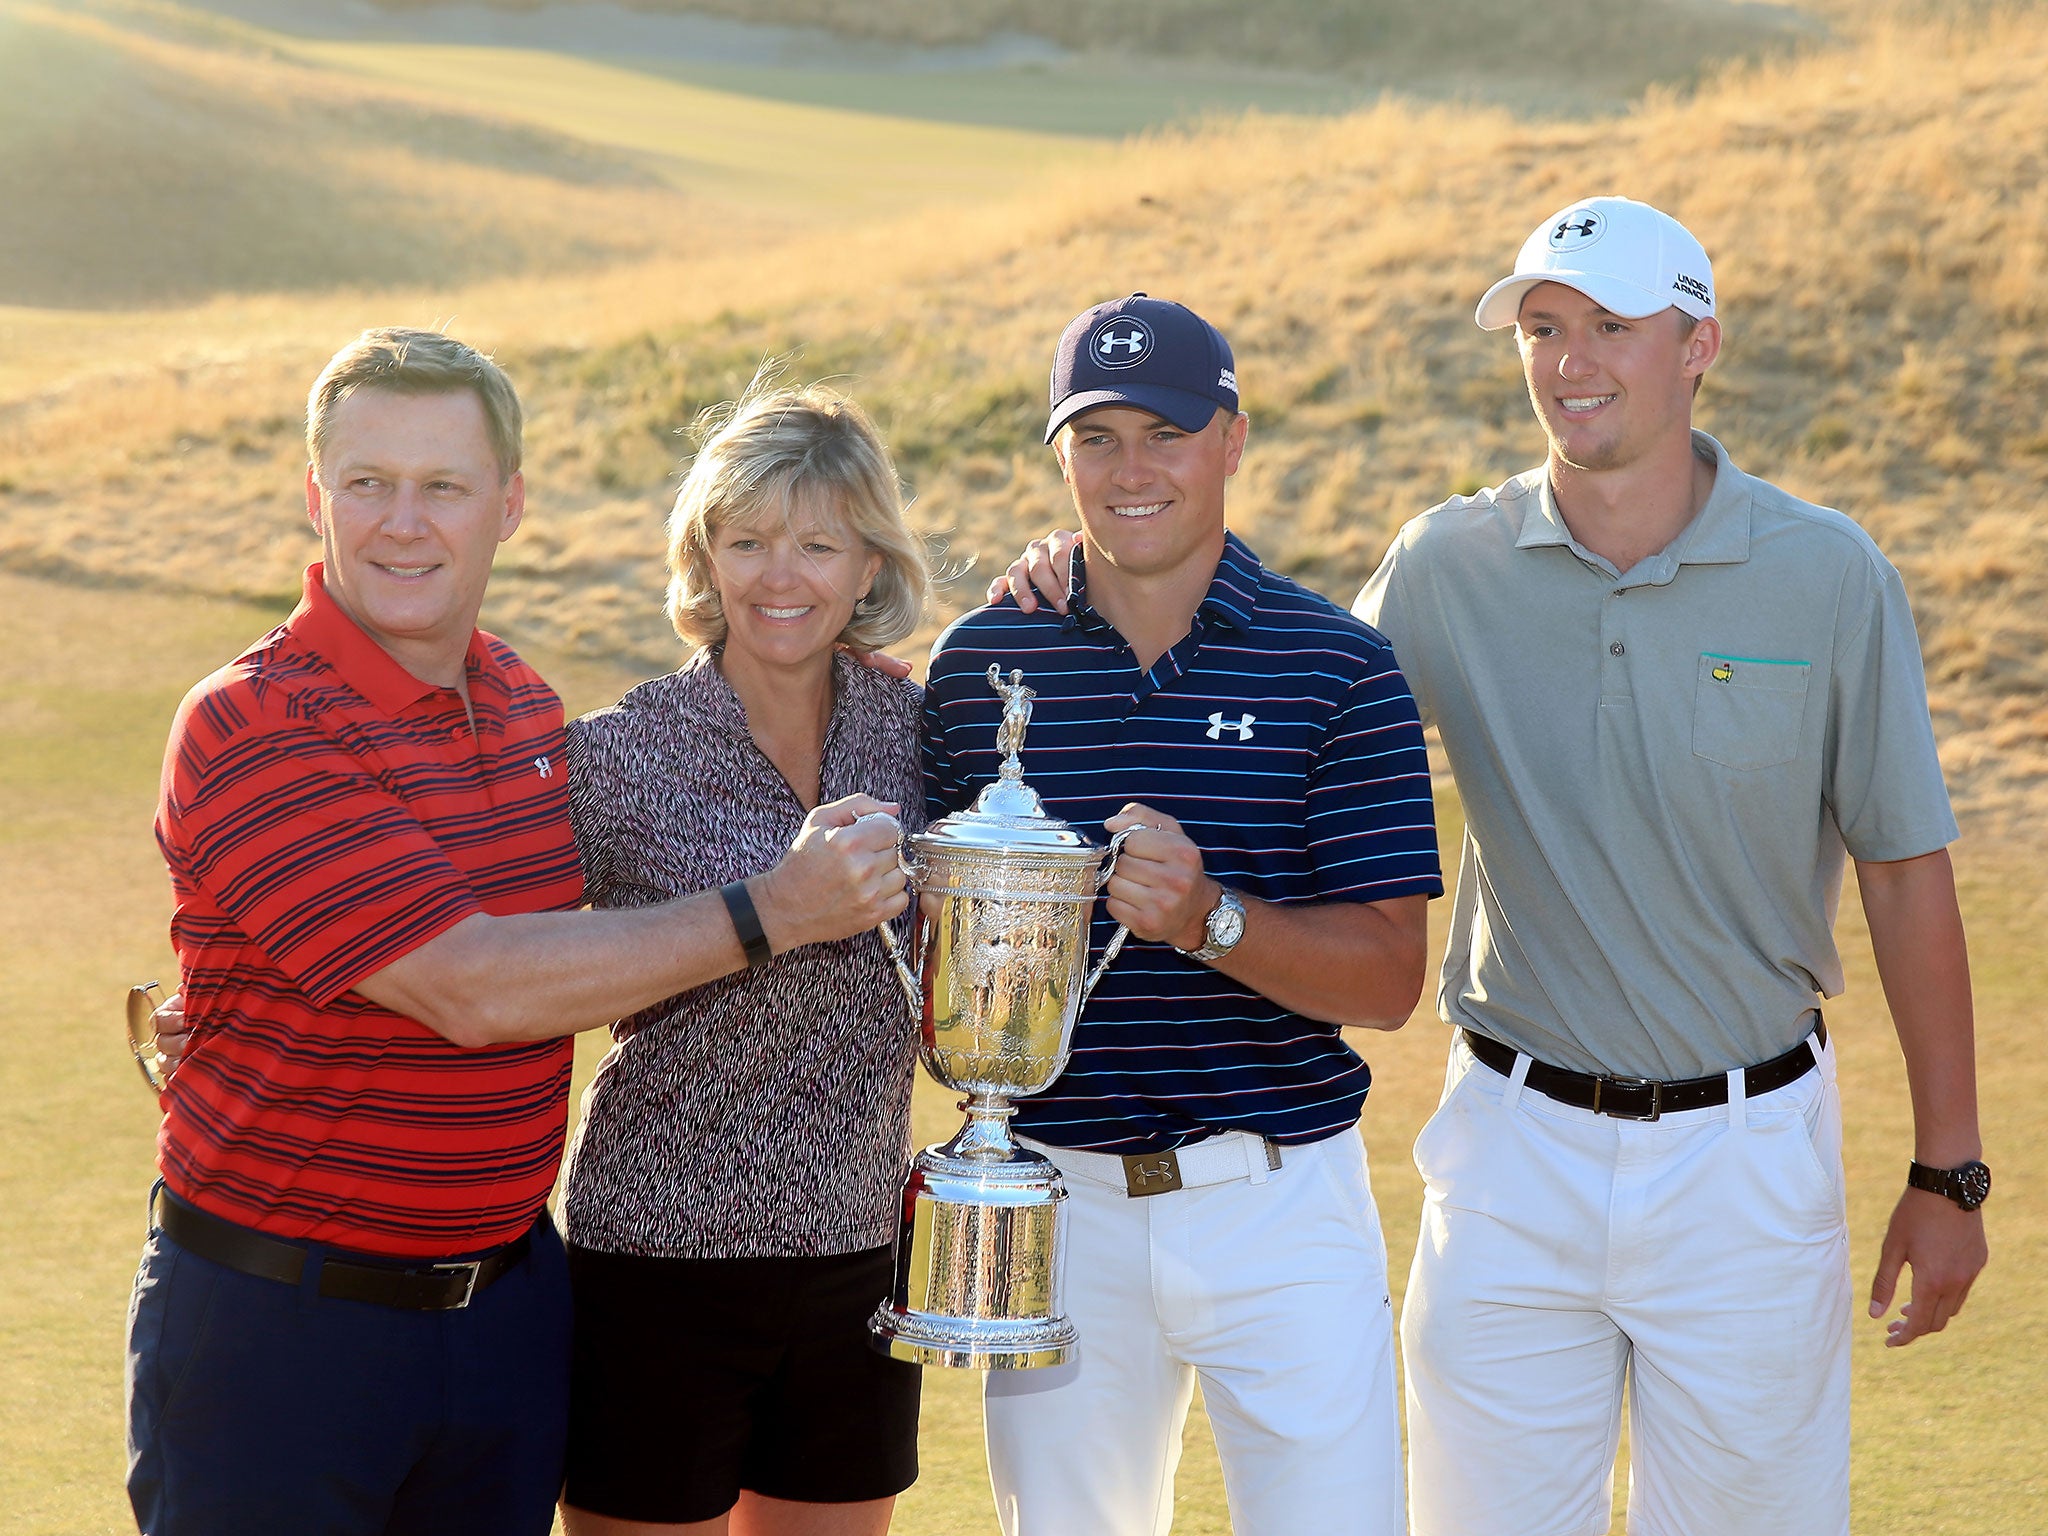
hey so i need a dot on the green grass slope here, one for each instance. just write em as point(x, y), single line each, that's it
point(152, 154)
point(790, 159)
point(1632, 42)
point(147, 169)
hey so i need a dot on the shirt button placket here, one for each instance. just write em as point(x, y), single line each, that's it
point(1614, 682)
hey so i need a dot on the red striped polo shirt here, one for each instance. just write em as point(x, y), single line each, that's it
point(323, 813)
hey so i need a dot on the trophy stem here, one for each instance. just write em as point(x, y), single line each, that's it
point(985, 1138)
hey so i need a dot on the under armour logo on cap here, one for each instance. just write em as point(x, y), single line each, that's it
point(1580, 227)
point(1123, 342)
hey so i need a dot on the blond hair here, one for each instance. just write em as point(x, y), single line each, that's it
point(409, 362)
point(774, 452)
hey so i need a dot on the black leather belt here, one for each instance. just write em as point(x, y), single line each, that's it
point(415, 1287)
point(1641, 1098)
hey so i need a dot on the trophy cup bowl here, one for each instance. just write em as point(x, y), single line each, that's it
point(997, 976)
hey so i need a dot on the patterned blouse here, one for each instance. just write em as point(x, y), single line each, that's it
point(766, 1113)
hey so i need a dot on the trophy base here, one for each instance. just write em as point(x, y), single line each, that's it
point(979, 1262)
point(972, 1343)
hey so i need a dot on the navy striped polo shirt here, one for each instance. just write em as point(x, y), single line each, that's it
point(1281, 735)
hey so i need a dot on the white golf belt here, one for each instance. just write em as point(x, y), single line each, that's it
point(1221, 1159)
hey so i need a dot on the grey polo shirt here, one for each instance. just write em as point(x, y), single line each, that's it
point(1661, 769)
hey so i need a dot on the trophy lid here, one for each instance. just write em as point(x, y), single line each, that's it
point(1008, 817)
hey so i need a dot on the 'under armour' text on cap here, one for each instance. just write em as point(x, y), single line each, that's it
point(1625, 256)
point(1150, 353)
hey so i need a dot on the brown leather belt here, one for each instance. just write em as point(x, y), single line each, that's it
point(1641, 1098)
point(421, 1286)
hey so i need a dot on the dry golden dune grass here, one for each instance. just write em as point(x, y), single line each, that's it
point(1878, 212)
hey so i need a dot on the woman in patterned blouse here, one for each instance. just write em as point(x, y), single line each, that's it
point(733, 1187)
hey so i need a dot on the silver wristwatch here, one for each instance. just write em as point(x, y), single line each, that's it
point(1223, 928)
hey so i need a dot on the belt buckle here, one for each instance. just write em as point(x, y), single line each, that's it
point(469, 1269)
point(1151, 1173)
point(1601, 1084)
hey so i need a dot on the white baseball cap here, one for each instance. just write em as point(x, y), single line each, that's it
point(1625, 256)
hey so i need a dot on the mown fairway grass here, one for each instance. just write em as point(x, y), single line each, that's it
point(1604, 48)
point(804, 161)
point(1952, 1435)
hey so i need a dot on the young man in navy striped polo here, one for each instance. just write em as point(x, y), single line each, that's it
point(1266, 748)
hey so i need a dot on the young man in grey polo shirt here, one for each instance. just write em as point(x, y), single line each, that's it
point(1674, 698)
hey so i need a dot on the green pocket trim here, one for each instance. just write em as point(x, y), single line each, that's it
point(1754, 661)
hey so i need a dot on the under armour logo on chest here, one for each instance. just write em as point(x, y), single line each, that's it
point(543, 767)
point(1218, 725)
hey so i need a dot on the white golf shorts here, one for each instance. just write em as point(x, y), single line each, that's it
point(1273, 1288)
point(1700, 1259)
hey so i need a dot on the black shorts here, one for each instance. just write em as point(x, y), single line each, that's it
point(695, 1378)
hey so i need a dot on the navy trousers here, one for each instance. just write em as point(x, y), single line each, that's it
point(263, 1408)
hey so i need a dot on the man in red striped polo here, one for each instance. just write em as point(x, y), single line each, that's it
point(352, 1313)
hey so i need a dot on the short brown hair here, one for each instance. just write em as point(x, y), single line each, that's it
point(409, 362)
point(771, 452)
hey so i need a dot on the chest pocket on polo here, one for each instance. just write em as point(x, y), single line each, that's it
point(1748, 712)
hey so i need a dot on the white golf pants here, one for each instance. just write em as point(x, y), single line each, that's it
point(1273, 1288)
point(1701, 1259)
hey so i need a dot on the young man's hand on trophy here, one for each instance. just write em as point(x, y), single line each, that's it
point(1158, 889)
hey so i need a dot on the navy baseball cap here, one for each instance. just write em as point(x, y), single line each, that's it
point(1157, 355)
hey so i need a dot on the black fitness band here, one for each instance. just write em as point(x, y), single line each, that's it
point(746, 922)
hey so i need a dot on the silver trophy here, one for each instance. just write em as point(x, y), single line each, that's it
point(1004, 897)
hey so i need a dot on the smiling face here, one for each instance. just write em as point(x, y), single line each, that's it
point(1609, 390)
point(411, 507)
point(1149, 493)
point(787, 583)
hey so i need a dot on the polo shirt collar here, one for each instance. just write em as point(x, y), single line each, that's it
point(1720, 534)
point(1717, 535)
point(704, 692)
point(370, 670)
point(1232, 598)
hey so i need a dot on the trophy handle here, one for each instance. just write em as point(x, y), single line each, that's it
point(913, 991)
point(1116, 940)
